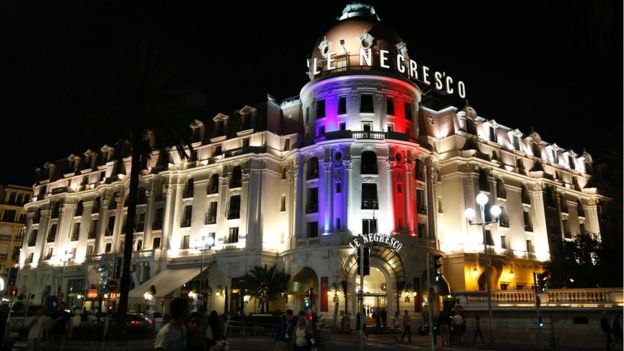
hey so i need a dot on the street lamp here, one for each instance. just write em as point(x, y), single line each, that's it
point(482, 199)
point(200, 245)
point(64, 258)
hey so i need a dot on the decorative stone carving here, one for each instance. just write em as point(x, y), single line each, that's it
point(369, 179)
point(245, 175)
point(347, 164)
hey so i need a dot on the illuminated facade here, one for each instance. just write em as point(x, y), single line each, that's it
point(12, 226)
point(292, 182)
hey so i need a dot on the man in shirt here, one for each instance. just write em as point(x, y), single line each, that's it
point(172, 336)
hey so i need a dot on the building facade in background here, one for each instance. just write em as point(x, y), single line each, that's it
point(294, 182)
point(12, 229)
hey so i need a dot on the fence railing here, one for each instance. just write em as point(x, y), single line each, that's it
point(550, 298)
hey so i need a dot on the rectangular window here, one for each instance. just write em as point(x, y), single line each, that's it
point(529, 246)
point(582, 228)
point(186, 242)
point(234, 211)
point(390, 127)
point(503, 240)
point(140, 224)
point(342, 105)
point(369, 196)
point(111, 226)
point(321, 131)
point(408, 111)
point(516, 143)
point(493, 137)
point(312, 229)
point(75, 231)
point(186, 219)
point(366, 104)
point(369, 226)
point(232, 236)
point(390, 106)
point(566, 229)
point(16, 253)
point(211, 216)
point(488, 238)
point(338, 188)
point(343, 126)
point(32, 239)
point(90, 250)
point(246, 142)
point(338, 223)
point(421, 205)
point(52, 233)
point(367, 126)
point(286, 145)
point(283, 203)
point(320, 109)
point(156, 243)
point(108, 248)
point(48, 253)
point(528, 224)
point(30, 258)
point(312, 200)
point(158, 219)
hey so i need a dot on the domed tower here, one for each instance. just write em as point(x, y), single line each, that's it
point(361, 169)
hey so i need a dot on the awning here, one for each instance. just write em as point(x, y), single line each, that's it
point(166, 281)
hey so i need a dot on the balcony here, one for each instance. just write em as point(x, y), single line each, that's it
point(348, 134)
point(311, 208)
point(244, 150)
point(211, 219)
point(186, 222)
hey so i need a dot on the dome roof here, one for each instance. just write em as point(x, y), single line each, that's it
point(359, 27)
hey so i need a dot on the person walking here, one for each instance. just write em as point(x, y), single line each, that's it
point(36, 327)
point(60, 319)
point(302, 335)
point(457, 328)
point(281, 334)
point(396, 326)
point(477, 332)
point(407, 329)
point(606, 329)
point(384, 317)
point(172, 336)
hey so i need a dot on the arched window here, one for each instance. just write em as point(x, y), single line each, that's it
point(419, 169)
point(236, 179)
point(96, 205)
point(213, 187)
point(526, 199)
point(536, 150)
point(312, 168)
point(500, 189)
point(368, 163)
point(484, 184)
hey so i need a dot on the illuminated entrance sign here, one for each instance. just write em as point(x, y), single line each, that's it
point(438, 80)
point(379, 239)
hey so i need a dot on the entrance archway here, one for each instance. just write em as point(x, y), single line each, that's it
point(304, 286)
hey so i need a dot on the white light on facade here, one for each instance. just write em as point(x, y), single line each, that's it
point(496, 211)
point(469, 214)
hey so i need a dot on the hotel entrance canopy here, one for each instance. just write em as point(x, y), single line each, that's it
point(166, 281)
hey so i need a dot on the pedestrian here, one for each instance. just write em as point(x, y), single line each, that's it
point(617, 329)
point(302, 335)
point(281, 332)
point(172, 336)
point(194, 337)
point(290, 328)
point(377, 317)
point(407, 329)
point(477, 332)
point(606, 329)
point(36, 327)
point(396, 326)
point(384, 317)
point(457, 325)
point(59, 320)
point(360, 326)
point(216, 329)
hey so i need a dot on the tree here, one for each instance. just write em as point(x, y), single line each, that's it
point(581, 264)
point(265, 284)
point(141, 102)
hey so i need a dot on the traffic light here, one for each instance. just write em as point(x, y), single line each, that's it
point(540, 323)
point(13, 292)
point(366, 261)
point(435, 267)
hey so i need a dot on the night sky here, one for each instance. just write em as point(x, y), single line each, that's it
point(556, 65)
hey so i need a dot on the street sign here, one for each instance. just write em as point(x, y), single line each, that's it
point(111, 285)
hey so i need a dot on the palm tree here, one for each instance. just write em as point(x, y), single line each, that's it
point(139, 102)
point(265, 284)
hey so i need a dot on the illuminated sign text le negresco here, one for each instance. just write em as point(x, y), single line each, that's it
point(372, 239)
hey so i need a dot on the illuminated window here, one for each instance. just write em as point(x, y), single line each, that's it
point(52, 233)
point(503, 240)
point(156, 243)
point(90, 250)
point(75, 231)
point(188, 214)
point(232, 236)
point(234, 210)
point(211, 216)
point(529, 246)
point(108, 248)
point(186, 241)
point(528, 224)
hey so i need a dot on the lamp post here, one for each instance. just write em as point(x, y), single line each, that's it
point(64, 258)
point(201, 247)
point(495, 211)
